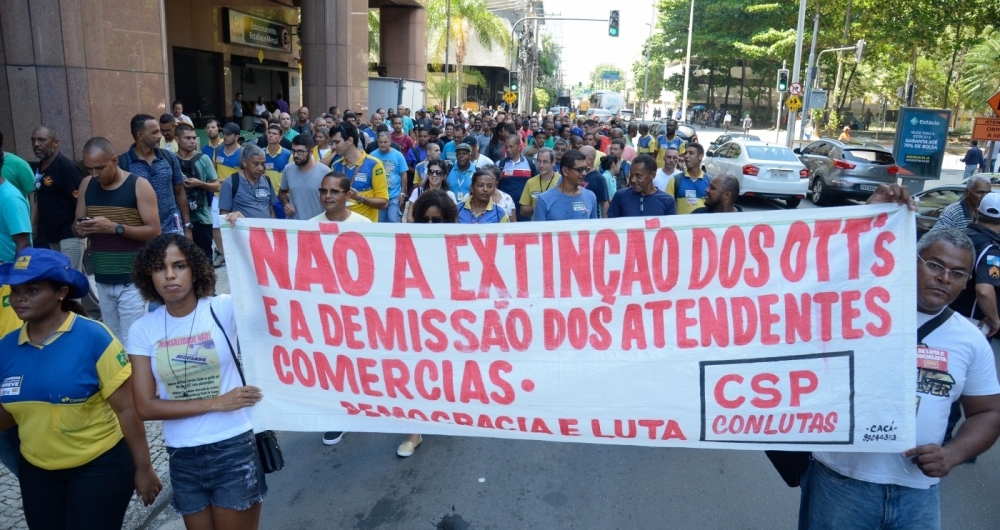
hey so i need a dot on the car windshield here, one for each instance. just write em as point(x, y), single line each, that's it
point(771, 152)
point(747, 137)
point(869, 156)
point(934, 202)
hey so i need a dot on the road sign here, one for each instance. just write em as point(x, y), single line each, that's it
point(994, 103)
point(510, 97)
point(986, 129)
point(795, 89)
point(611, 75)
point(794, 103)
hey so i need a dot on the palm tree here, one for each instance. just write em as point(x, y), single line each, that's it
point(979, 75)
point(469, 20)
point(374, 29)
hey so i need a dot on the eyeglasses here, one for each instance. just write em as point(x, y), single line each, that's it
point(936, 268)
point(579, 169)
point(300, 152)
point(435, 172)
point(330, 191)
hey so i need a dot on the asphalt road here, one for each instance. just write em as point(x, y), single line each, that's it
point(459, 483)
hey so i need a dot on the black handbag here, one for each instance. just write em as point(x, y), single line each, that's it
point(268, 450)
point(792, 464)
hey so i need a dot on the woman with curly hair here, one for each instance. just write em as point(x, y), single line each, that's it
point(435, 206)
point(186, 374)
point(437, 171)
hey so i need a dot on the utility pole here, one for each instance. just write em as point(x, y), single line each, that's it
point(781, 100)
point(810, 77)
point(687, 64)
point(796, 67)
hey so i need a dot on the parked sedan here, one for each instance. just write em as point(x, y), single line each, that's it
point(846, 170)
point(686, 133)
point(728, 137)
point(763, 169)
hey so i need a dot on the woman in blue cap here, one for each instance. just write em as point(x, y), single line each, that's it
point(65, 382)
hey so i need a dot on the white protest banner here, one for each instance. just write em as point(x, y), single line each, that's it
point(780, 330)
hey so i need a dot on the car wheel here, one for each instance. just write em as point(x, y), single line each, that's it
point(817, 194)
point(792, 202)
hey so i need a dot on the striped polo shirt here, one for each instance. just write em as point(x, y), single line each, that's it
point(111, 254)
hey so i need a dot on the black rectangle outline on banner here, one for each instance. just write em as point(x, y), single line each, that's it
point(850, 362)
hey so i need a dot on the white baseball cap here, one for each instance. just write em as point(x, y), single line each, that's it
point(990, 206)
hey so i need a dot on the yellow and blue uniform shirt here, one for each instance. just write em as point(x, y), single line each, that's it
point(664, 144)
point(58, 392)
point(368, 177)
point(689, 193)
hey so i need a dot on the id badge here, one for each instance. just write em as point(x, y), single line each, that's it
point(692, 196)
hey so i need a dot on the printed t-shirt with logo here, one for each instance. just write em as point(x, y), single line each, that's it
point(986, 243)
point(252, 200)
point(954, 360)
point(15, 218)
point(395, 167)
point(368, 177)
point(190, 359)
point(664, 144)
point(225, 165)
point(554, 205)
point(275, 164)
point(206, 173)
point(535, 187)
point(492, 214)
point(689, 193)
point(58, 392)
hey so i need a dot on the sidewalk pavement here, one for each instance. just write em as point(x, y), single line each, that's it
point(138, 516)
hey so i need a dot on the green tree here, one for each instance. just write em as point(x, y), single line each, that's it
point(541, 100)
point(470, 19)
point(374, 31)
point(979, 75)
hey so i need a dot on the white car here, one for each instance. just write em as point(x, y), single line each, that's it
point(600, 115)
point(763, 169)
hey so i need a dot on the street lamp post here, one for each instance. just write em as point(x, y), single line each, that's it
point(687, 64)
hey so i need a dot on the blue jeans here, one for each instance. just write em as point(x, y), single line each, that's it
point(833, 501)
point(226, 474)
point(390, 214)
point(970, 169)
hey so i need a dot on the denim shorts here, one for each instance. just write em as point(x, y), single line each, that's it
point(226, 474)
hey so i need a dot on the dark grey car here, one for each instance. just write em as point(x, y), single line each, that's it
point(846, 170)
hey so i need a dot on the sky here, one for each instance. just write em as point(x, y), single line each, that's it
point(586, 44)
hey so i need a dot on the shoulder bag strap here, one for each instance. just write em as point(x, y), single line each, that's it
point(933, 324)
point(231, 350)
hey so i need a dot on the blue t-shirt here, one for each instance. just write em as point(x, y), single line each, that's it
point(628, 203)
point(395, 167)
point(554, 205)
point(460, 181)
point(15, 218)
point(448, 152)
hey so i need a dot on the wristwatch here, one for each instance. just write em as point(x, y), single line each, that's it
point(119, 229)
point(188, 226)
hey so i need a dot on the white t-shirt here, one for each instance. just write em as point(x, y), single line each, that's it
point(483, 160)
point(353, 218)
point(191, 360)
point(662, 180)
point(418, 190)
point(961, 354)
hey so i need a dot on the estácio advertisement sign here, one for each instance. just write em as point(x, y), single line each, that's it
point(921, 138)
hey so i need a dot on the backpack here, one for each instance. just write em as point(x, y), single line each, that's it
point(196, 197)
point(236, 184)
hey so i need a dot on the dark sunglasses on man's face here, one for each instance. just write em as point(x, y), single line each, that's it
point(330, 191)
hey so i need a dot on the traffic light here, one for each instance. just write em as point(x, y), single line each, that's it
point(613, 24)
point(513, 82)
point(783, 80)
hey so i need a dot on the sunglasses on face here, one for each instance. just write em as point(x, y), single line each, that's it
point(330, 191)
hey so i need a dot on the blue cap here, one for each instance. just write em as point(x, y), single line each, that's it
point(34, 264)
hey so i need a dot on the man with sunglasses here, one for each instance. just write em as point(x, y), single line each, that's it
point(569, 199)
point(954, 363)
point(301, 181)
point(334, 190)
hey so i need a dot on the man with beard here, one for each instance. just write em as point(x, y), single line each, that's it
point(301, 181)
point(721, 196)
